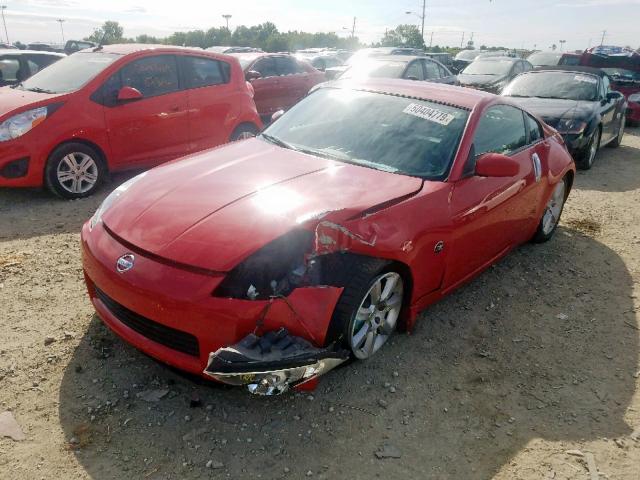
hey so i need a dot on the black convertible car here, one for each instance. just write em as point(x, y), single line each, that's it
point(576, 101)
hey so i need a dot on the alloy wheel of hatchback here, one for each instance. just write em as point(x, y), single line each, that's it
point(377, 315)
point(77, 173)
point(553, 209)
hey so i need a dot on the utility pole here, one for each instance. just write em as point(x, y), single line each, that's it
point(6, 33)
point(604, 34)
point(227, 17)
point(61, 21)
point(431, 41)
point(462, 41)
point(421, 17)
point(353, 30)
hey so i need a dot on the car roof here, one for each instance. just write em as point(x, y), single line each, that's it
point(128, 48)
point(30, 52)
point(393, 58)
point(466, 98)
point(572, 68)
point(497, 59)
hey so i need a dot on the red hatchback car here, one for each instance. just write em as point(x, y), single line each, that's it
point(279, 80)
point(268, 262)
point(119, 107)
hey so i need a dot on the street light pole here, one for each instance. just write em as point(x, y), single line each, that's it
point(227, 17)
point(6, 33)
point(61, 21)
point(353, 30)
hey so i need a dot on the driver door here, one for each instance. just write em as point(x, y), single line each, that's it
point(155, 128)
point(489, 214)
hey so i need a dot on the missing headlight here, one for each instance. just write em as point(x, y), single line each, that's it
point(274, 270)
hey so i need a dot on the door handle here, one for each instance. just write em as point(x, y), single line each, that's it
point(537, 166)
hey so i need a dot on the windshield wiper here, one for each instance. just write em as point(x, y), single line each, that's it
point(278, 142)
point(39, 90)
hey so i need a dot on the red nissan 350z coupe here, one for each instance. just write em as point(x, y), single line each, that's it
point(119, 107)
point(270, 261)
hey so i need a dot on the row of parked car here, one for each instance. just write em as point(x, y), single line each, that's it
point(111, 108)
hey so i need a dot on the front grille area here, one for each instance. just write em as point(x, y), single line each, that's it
point(167, 336)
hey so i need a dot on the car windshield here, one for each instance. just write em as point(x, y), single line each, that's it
point(70, 73)
point(562, 85)
point(620, 74)
point(467, 55)
point(375, 69)
point(488, 67)
point(374, 130)
point(544, 58)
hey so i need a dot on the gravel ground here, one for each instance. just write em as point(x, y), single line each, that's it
point(530, 371)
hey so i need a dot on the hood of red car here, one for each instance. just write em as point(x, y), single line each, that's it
point(213, 209)
point(13, 99)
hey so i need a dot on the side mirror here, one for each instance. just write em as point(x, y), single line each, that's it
point(128, 94)
point(412, 77)
point(612, 96)
point(252, 75)
point(277, 115)
point(496, 165)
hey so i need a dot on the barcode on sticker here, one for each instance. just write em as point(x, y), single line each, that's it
point(428, 113)
point(585, 78)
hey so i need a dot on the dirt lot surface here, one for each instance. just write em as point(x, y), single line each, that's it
point(530, 371)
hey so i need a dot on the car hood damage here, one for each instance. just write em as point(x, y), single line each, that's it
point(212, 211)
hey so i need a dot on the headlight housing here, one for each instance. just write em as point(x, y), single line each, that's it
point(274, 270)
point(22, 122)
point(111, 198)
point(571, 125)
point(634, 97)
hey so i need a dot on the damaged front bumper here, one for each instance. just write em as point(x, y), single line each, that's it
point(272, 363)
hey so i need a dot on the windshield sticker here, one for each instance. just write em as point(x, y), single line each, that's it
point(443, 118)
point(585, 78)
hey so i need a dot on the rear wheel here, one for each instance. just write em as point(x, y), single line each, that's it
point(244, 131)
point(74, 170)
point(552, 212)
point(588, 155)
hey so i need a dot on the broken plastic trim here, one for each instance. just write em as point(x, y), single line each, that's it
point(271, 364)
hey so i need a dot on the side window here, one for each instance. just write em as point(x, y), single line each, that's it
point(287, 66)
point(443, 72)
point(433, 72)
point(533, 128)
point(414, 71)
point(501, 130)
point(266, 67)
point(107, 94)
point(33, 67)
point(153, 76)
point(203, 72)
point(9, 69)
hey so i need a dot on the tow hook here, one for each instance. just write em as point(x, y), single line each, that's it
point(272, 363)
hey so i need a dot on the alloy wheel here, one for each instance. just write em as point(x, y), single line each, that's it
point(77, 173)
point(593, 147)
point(377, 316)
point(553, 209)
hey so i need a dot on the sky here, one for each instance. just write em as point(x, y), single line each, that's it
point(511, 23)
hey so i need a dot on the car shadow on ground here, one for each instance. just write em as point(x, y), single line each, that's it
point(31, 212)
point(527, 350)
point(605, 176)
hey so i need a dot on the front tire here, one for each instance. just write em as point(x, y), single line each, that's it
point(552, 213)
point(588, 155)
point(618, 140)
point(369, 308)
point(74, 170)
